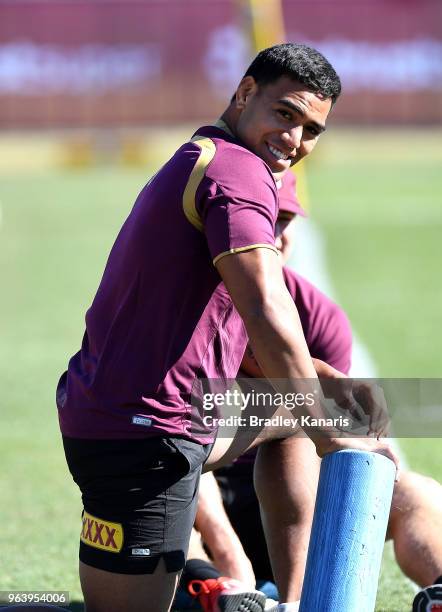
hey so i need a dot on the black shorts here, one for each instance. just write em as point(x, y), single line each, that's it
point(242, 508)
point(139, 499)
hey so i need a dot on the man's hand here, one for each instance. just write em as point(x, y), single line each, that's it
point(371, 398)
point(325, 446)
point(358, 397)
point(354, 395)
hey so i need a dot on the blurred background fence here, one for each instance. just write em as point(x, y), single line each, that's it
point(125, 62)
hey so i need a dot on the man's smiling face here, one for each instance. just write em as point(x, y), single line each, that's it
point(281, 121)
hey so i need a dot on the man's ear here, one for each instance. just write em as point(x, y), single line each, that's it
point(247, 88)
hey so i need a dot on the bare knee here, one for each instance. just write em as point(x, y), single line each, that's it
point(413, 492)
point(295, 462)
point(303, 504)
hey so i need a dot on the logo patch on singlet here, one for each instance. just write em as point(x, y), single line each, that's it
point(137, 420)
point(141, 552)
point(101, 534)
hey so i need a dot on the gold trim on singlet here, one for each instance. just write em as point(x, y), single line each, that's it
point(208, 150)
point(249, 247)
point(222, 125)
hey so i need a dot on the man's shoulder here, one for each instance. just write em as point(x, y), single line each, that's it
point(232, 166)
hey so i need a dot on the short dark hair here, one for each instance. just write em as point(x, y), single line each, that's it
point(300, 63)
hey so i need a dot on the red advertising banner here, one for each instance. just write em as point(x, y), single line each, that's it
point(126, 62)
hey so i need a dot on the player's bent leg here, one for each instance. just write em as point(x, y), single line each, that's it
point(109, 592)
point(139, 501)
point(415, 526)
point(286, 477)
point(287, 471)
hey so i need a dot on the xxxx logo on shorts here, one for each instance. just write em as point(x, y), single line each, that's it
point(101, 534)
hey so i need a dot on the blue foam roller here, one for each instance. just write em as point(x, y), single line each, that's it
point(348, 532)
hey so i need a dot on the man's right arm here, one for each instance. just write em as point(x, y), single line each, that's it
point(256, 285)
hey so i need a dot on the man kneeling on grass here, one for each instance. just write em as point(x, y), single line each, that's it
point(163, 319)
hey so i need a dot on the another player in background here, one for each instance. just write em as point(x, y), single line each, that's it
point(228, 517)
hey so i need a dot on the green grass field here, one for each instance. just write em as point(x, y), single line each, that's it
point(376, 195)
